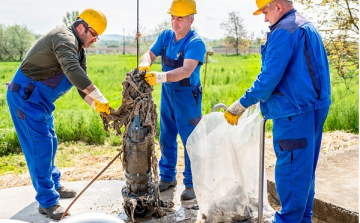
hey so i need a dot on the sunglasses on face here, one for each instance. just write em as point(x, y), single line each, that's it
point(93, 34)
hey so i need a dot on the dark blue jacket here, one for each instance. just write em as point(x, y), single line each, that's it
point(294, 76)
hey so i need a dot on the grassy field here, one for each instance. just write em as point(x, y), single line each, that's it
point(227, 78)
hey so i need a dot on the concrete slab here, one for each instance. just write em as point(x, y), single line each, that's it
point(19, 203)
point(336, 198)
point(336, 188)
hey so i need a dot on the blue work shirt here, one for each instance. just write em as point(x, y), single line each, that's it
point(194, 49)
point(295, 75)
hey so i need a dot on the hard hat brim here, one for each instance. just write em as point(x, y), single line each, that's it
point(257, 12)
point(261, 6)
point(181, 15)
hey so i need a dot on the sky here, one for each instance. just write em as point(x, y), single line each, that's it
point(40, 16)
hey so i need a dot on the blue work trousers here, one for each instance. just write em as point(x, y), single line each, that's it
point(180, 112)
point(297, 142)
point(31, 105)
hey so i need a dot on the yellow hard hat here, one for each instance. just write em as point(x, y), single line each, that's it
point(182, 8)
point(261, 4)
point(95, 19)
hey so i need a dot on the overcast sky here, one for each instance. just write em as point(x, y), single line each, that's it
point(40, 16)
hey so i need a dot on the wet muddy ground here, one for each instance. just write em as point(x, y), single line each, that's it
point(182, 211)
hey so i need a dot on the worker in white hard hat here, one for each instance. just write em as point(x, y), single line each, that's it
point(182, 52)
point(293, 89)
point(55, 63)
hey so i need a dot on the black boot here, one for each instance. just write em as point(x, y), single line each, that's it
point(54, 212)
point(188, 194)
point(66, 193)
point(163, 185)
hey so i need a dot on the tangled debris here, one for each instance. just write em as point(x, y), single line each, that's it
point(137, 100)
point(135, 92)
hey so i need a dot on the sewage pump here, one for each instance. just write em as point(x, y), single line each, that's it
point(138, 192)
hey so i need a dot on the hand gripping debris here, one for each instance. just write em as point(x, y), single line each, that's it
point(137, 114)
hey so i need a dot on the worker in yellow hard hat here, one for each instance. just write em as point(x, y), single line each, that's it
point(182, 52)
point(293, 89)
point(55, 63)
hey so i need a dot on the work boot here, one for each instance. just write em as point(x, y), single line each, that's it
point(188, 194)
point(163, 185)
point(66, 193)
point(54, 212)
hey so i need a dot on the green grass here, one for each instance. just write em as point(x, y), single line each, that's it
point(344, 111)
point(68, 155)
point(227, 78)
point(13, 163)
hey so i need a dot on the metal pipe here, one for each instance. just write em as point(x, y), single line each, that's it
point(92, 181)
point(261, 171)
point(208, 53)
point(206, 62)
point(137, 36)
point(219, 105)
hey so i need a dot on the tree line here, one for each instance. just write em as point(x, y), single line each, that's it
point(15, 41)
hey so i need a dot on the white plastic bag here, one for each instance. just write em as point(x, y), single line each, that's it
point(225, 166)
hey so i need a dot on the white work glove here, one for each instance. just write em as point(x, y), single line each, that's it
point(155, 77)
point(236, 108)
point(100, 103)
point(234, 112)
point(144, 66)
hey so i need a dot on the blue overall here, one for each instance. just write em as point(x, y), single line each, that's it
point(31, 105)
point(180, 111)
point(293, 89)
point(297, 141)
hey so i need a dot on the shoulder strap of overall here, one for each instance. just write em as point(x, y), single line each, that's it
point(166, 42)
point(81, 55)
point(182, 48)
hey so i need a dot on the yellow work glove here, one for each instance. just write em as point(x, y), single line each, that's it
point(144, 66)
point(231, 119)
point(234, 112)
point(102, 107)
point(100, 103)
point(154, 77)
